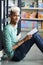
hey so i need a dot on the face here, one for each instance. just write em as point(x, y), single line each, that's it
point(15, 17)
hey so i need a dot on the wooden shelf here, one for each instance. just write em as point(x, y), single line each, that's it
point(26, 29)
point(36, 19)
point(27, 8)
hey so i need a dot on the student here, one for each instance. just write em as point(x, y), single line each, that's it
point(16, 50)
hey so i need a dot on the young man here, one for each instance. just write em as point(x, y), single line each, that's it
point(15, 49)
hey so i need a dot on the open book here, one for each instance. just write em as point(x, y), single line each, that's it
point(33, 31)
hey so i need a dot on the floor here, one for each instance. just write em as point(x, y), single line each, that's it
point(33, 57)
point(22, 63)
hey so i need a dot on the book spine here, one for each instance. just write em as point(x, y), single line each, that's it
point(42, 25)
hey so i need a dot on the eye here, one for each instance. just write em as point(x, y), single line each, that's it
point(17, 15)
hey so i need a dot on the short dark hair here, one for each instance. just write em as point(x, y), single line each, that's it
point(11, 12)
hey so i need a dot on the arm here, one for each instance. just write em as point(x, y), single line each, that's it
point(21, 42)
point(7, 43)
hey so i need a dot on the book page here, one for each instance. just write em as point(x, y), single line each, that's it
point(32, 31)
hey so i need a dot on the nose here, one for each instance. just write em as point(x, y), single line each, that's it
point(16, 17)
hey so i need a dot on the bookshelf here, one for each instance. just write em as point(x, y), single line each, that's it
point(26, 8)
point(34, 19)
point(37, 9)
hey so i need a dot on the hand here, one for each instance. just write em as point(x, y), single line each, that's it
point(28, 37)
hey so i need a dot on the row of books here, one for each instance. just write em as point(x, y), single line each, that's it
point(32, 4)
point(33, 14)
point(31, 24)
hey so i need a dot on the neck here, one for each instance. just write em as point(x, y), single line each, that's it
point(12, 23)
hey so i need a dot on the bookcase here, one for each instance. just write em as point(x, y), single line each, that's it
point(32, 15)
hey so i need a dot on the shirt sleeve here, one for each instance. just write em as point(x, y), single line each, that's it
point(7, 43)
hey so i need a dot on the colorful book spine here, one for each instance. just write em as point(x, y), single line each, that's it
point(42, 25)
point(28, 24)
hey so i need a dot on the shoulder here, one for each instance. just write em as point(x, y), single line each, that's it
point(7, 28)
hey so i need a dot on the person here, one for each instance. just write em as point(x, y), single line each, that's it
point(17, 49)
